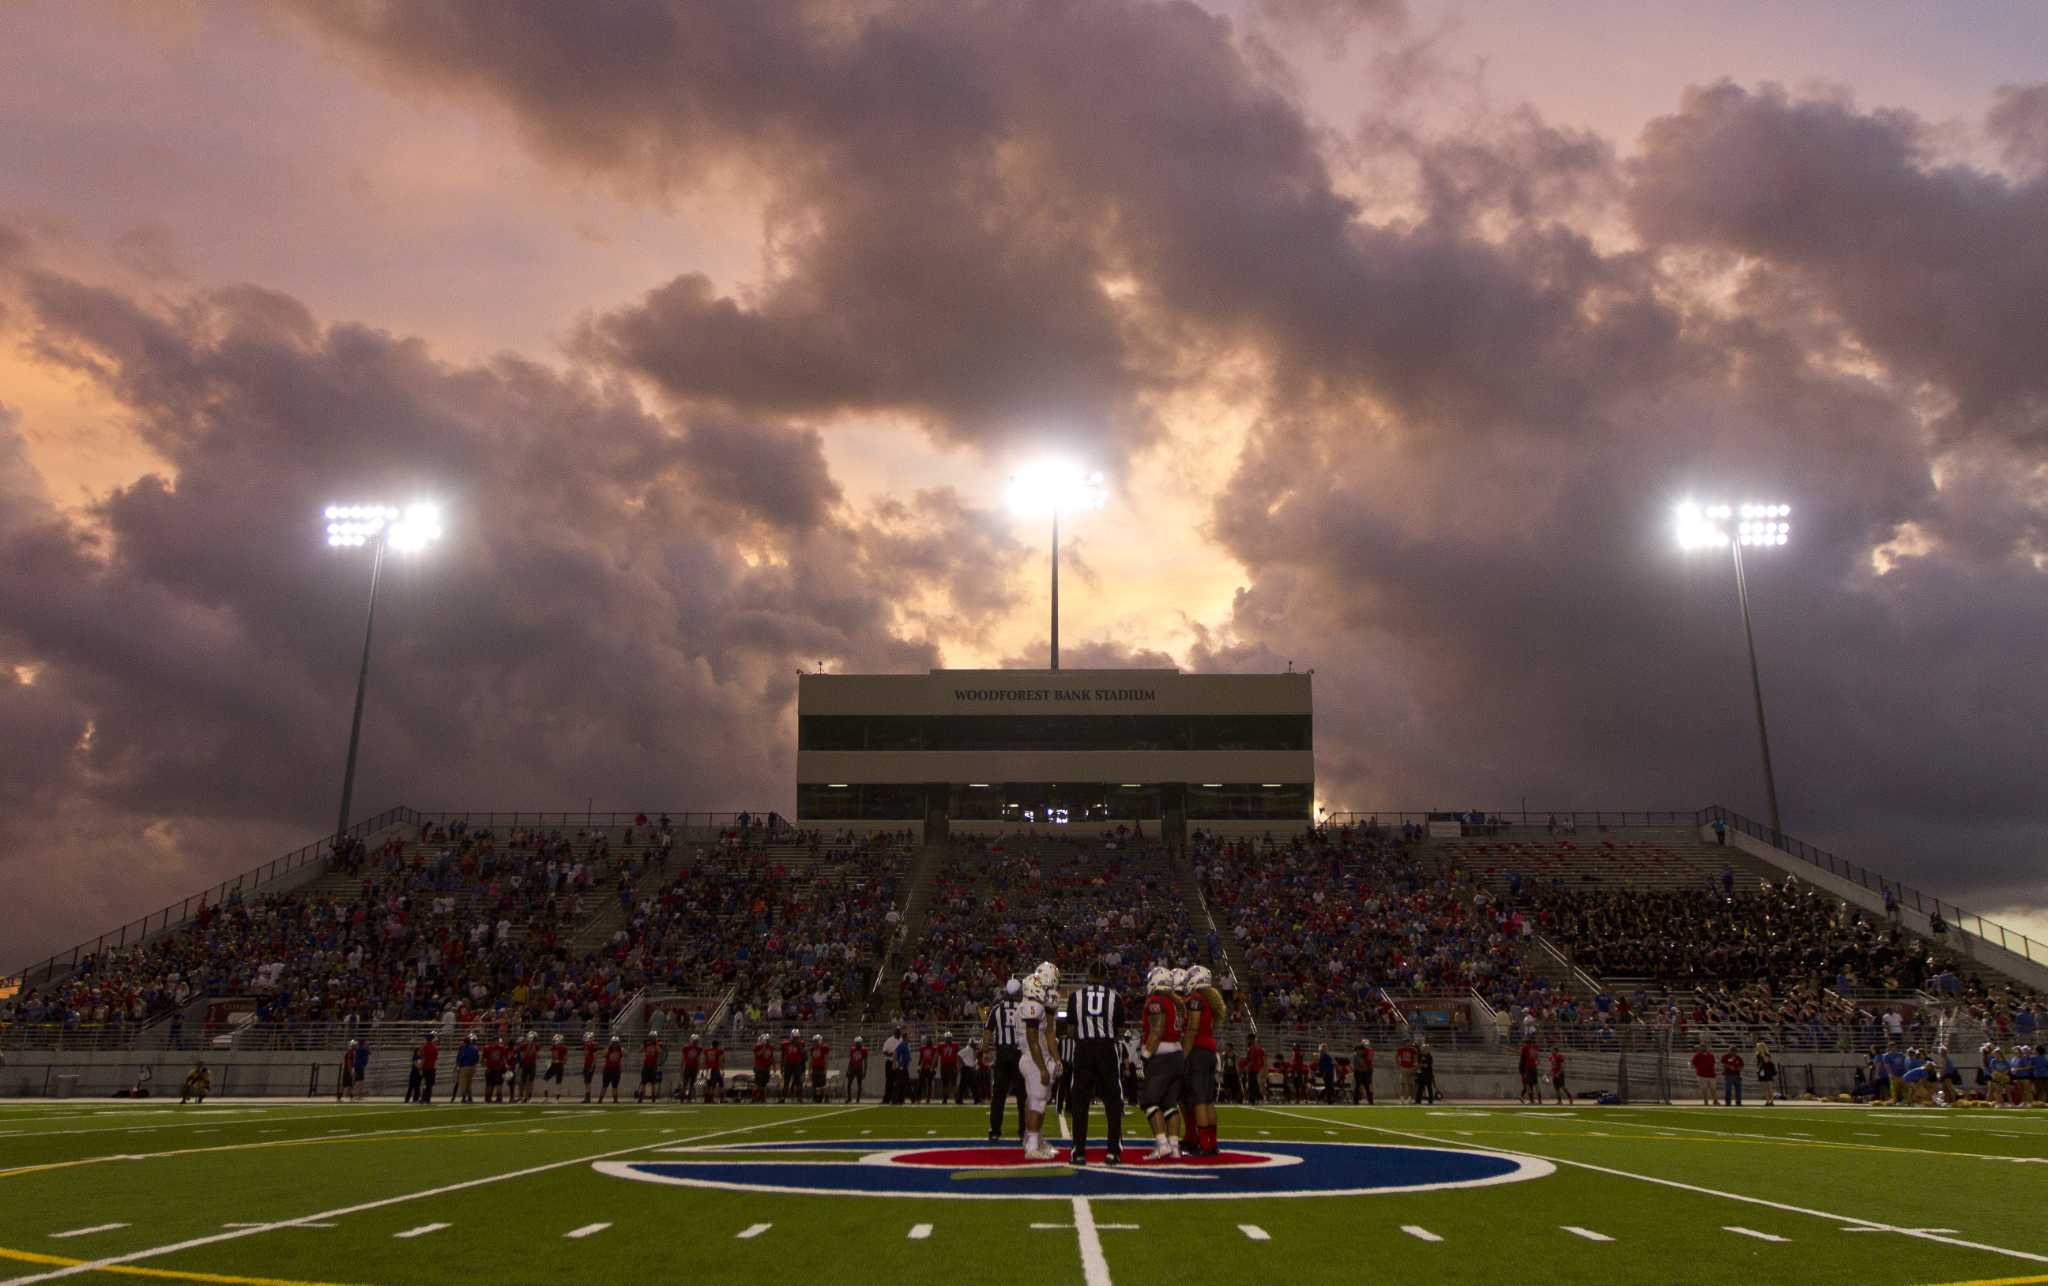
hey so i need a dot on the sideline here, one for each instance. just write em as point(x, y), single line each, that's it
point(110, 1262)
point(1688, 1187)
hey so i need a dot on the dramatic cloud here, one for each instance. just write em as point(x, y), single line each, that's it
point(619, 612)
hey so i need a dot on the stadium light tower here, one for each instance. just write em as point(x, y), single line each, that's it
point(1047, 488)
point(1755, 526)
point(381, 527)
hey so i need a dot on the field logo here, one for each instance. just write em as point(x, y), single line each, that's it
point(976, 1171)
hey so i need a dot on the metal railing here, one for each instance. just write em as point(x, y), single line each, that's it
point(685, 820)
point(1393, 819)
point(1842, 868)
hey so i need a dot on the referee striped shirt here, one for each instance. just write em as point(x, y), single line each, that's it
point(1097, 1012)
point(1002, 1020)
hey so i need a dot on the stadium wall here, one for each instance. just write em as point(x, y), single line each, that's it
point(1973, 947)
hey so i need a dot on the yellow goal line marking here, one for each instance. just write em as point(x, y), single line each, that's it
point(2000, 1281)
point(60, 1261)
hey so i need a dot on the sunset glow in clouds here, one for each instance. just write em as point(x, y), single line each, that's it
point(718, 329)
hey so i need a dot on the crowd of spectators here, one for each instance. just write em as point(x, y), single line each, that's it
point(1340, 925)
point(450, 924)
point(1001, 903)
point(799, 943)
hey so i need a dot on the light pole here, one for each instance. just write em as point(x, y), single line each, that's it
point(1046, 488)
point(1757, 526)
point(380, 527)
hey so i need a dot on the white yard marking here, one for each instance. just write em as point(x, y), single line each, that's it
point(1419, 1233)
point(867, 1131)
point(1760, 1236)
point(803, 1131)
point(1587, 1233)
point(1094, 1268)
point(250, 1223)
point(98, 1265)
point(920, 1231)
point(1800, 1134)
point(578, 1234)
point(87, 1232)
point(1331, 1133)
point(1066, 1130)
point(1267, 1133)
point(1923, 1235)
point(752, 1231)
point(420, 1231)
point(1254, 1232)
point(1851, 1228)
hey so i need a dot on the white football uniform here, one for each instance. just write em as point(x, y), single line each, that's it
point(1037, 1087)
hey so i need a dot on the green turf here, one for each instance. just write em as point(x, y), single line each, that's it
point(175, 1174)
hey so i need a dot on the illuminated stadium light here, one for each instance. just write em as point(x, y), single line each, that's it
point(1049, 488)
point(408, 530)
point(1756, 524)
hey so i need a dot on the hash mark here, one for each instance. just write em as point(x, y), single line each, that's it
point(1751, 1232)
point(586, 1230)
point(1587, 1233)
point(1254, 1232)
point(752, 1231)
point(81, 1232)
point(1419, 1233)
point(920, 1231)
point(420, 1231)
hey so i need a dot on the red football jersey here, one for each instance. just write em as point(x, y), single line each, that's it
point(693, 1053)
point(819, 1053)
point(1162, 1019)
point(792, 1051)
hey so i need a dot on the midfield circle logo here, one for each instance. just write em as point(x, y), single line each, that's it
point(961, 1169)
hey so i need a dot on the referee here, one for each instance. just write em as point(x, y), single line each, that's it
point(1095, 1014)
point(1005, 1077)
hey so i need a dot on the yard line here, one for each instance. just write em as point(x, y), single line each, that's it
point(1254, 1232)
point(84, 1232)
point(577, 1234)
point(1587, 1233)
point(1419, 1233)
point(1760, 1236)
point(920, 1231)
point(1922, 1234)
point(752, 1231)
point(420, 1231)
point(99, 1265)
point(1094, 1268)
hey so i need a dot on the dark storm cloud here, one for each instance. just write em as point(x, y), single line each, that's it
point(617, 611)
point(2019, 121)
point(1940, 269)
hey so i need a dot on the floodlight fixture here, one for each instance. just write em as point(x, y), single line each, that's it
point(380, 526)
point(1055, 487)
point(1753, 524)
point(1048, 488)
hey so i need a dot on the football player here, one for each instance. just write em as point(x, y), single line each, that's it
point(1040, 1064)
point(1165, 1065)
point(1205, 1013)
point(589, 1061)
point(558, 1061)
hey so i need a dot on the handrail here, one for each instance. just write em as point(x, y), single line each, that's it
point(178, 912)
point(2010, 939)
point(1610, 817)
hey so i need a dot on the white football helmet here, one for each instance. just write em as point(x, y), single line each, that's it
point(1198, 977)
point(1048, 975)
point(1034, 989)
point(1180, 980)
point(1159, 979)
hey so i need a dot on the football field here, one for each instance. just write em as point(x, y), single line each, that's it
point(381, 1192)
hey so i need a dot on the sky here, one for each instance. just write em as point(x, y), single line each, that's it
point(1396, 328)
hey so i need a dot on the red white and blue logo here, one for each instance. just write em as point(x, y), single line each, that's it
point(975, 1171)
